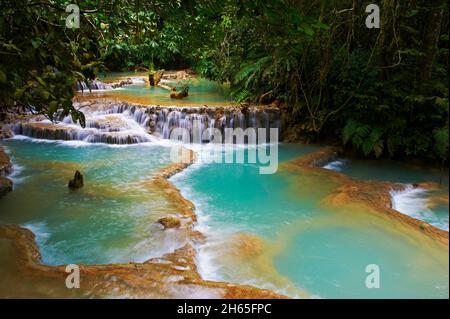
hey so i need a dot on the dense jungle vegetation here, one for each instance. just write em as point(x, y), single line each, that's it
point(382, 92)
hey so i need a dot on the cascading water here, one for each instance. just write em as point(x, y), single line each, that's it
point(97, 85)
point(122, 123)
point(93, 85)
point(413, 201)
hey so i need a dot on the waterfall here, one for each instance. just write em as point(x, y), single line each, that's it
point(93, 133)
point(93, 85)
point(123, 123)
point(96, 85)
point(160, 121)
point(163, 121)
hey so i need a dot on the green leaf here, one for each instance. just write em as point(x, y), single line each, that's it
point(308, 31)
point(36, 42)
point(41, 81)
point(19, 92)
point(44, 94)
point(52, 107)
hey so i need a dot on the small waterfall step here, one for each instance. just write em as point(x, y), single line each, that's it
point(123, 123)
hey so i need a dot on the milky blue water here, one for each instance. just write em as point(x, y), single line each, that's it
point(110, 219)
point(272, 231)
point(321, 251)
point(201, 92)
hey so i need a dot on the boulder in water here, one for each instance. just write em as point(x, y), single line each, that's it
point(5, 163)
point(180, 95)
point(169, 222)
point(77, 181)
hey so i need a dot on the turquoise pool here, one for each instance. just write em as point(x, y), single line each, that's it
point(201, 91)
point(271, 231)
point(111, 219)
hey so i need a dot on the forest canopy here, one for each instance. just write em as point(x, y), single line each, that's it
point(380, 91)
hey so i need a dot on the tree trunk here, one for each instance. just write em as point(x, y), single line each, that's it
point(430, 38)
point(386, 36)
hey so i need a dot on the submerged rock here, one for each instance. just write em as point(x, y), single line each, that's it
point(77, 181)
point(169, 222)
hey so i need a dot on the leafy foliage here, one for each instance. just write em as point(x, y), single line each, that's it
point(366, 138)
point(383, 91)
point(441, 142)
point(41, 59)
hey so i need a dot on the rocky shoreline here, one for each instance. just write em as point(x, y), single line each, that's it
point(173, 275)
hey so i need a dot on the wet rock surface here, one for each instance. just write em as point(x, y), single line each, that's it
point(5, 163)
point(77, 181)
point(169, 222)
point(5, 168)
